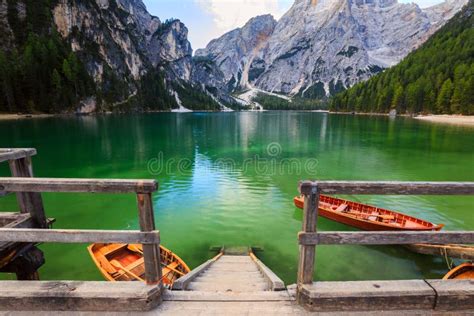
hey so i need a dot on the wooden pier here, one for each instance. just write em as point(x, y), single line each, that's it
point(232, 282)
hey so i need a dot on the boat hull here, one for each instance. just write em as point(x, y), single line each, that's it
point(125, 262)
point(464, 271)
point(400, 222)
point(465, 252)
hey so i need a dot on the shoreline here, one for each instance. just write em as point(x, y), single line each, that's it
point(460, 120)
point(7, 116)
point(448, 119)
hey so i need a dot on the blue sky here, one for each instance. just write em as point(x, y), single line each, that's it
point(209, 19)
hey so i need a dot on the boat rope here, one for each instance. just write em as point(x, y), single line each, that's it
point(449, 262)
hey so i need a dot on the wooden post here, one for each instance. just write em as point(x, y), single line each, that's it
point(310, 216)
point(29, 202)
point(151, 252)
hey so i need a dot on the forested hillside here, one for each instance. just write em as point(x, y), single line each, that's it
point(124, 59)
point(436, 78)
point(39, 73)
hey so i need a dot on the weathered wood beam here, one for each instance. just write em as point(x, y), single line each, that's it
point(386, 238)
point(21, 221)
point(350, 296)
point(151, 252)
point(276, 284)
point(308, 252)
point(77, 236)
point(70, 296)
point(389, 187)
point(430, 297)
point(7, 218)
point(77, 185)
point(183, 282)
point(16, 153)
point(29, 202)
point(453, 295)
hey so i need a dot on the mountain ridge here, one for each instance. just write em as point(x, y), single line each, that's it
point(438, 77)
point(135, 61)
point(324, 46)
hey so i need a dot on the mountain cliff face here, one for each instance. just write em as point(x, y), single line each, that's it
point(322, 46)
point(135, 61)
point(241, 49)
point(438, 77)
point(120, 38)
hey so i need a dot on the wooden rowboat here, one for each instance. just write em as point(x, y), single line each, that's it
point(461, 272)
point(465, 252)
point(367, 217)
point(124, 262)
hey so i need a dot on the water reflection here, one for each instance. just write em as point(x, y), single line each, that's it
point(202, 203)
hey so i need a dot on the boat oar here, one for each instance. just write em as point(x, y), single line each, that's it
point(117, 265)
point(174, 270)
point(388, 217)
point(134, 248)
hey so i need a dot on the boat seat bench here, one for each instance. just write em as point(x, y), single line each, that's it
point(342, 208)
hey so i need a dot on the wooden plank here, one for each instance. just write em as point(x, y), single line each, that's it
point(192, 308)
point(77, 236)
point(151, 253)
point(16, 184)
point(9, 217)
point(233, 286)
point(22, 221)
point(15, 153)
point(29, 202)
point(386, 238)
point(18, 170)
point(389, 187)
point(276, 284)
point(453, 294)
point(77, 296)
point(307, 252)
point(19, 220)
point(367, 296)
point(183, 282)
point(201, 296)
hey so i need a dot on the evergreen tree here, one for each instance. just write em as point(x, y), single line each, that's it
point(444, 97)
point(398, 98)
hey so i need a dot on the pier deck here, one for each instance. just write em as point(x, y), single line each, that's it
point(230, 283)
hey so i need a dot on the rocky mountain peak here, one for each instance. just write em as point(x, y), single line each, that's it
point(237, 50)
point(321, 46)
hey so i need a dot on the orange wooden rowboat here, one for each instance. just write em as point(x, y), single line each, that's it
point(462, 271)
point(367, 217)
point(124, 262)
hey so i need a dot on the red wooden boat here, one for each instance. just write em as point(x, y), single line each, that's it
point(461, 272)
point(367, 217)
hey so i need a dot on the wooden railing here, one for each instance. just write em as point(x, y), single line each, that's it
point(309, 238)
point(32, 220)
point(148, 236)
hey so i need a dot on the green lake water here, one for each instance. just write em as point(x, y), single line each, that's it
point(229, 179)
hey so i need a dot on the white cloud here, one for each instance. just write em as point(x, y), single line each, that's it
point(423, 3)
point(230, 14)
point(227, 15)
